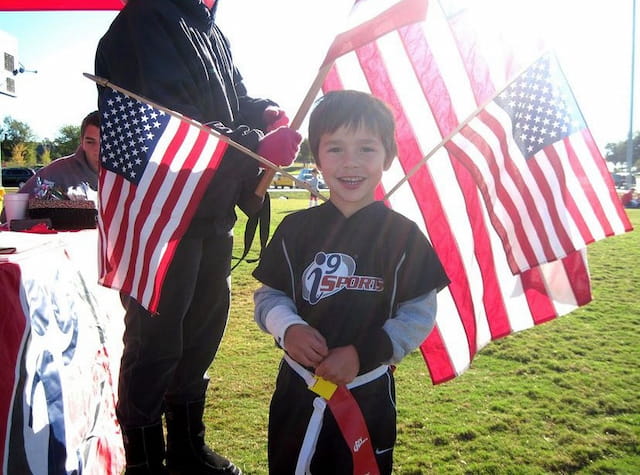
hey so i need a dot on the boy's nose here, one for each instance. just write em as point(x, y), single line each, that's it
point(349, 158)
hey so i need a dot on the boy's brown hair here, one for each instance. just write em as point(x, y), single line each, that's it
point(93, 118)
point(352, 109)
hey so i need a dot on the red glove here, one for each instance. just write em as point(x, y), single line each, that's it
point(280, 146)
point(275, 117)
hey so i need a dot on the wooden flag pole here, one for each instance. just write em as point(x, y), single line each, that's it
point(270, 166)
point(424, 159)
point(460, 126)
point(262, 187)
point(106, 83)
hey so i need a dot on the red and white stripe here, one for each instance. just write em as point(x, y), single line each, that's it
point(141, 226)
point(434, 75)
point(370, 19)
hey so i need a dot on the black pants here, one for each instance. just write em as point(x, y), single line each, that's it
point(289, 417)
point(167, 355)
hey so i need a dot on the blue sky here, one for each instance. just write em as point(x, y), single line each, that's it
point(591, 37)
point(61, 46)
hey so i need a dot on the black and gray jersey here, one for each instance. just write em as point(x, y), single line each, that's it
point(347, 276)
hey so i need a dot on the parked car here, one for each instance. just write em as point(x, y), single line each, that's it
point(619, 180)
point(16, 176)
point(306, 175)
point(282, 181)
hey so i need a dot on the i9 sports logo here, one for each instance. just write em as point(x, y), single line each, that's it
point(331, 273)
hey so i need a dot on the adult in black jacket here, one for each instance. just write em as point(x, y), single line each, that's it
point(172, 52)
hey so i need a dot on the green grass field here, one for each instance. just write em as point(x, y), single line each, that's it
point(559, 398)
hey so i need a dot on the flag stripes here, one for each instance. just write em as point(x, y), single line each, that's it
point(433, 77)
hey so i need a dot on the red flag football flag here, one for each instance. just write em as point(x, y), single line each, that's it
point(433, 74)
point(155, 169)
point(545, 184)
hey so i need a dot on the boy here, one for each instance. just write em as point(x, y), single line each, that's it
point(314, 185)
point(349, 288)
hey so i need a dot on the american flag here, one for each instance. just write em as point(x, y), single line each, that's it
point(434, 73)
point(155, 169)
point(545, 184)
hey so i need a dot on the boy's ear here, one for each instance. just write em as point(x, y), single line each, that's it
point(387, 162)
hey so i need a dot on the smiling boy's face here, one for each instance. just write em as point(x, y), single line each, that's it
point(352, 162)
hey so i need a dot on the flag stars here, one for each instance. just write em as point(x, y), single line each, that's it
point(540, 107)
point(127, 140)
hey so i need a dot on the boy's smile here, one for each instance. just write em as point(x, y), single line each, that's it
point(352, 162)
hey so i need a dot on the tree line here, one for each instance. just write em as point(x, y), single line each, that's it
point(19, 146)
point(616, 153)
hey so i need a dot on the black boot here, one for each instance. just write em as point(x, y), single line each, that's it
point(187, 453)
point(144, 450)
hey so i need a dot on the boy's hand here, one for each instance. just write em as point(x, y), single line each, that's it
point(305, 344)
point(341, 366)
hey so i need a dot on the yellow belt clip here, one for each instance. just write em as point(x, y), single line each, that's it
point(323, 388)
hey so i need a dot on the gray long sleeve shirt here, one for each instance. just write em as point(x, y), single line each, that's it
point(72, 174)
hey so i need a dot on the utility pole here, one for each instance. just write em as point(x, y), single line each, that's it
point(2, 190)
point(630, 178)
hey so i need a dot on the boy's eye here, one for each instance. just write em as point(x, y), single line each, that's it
point(334, 150)
point(369, 149)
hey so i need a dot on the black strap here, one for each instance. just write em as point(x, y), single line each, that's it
point(263, 219)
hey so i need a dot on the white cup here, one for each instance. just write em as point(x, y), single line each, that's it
point(15, 206)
